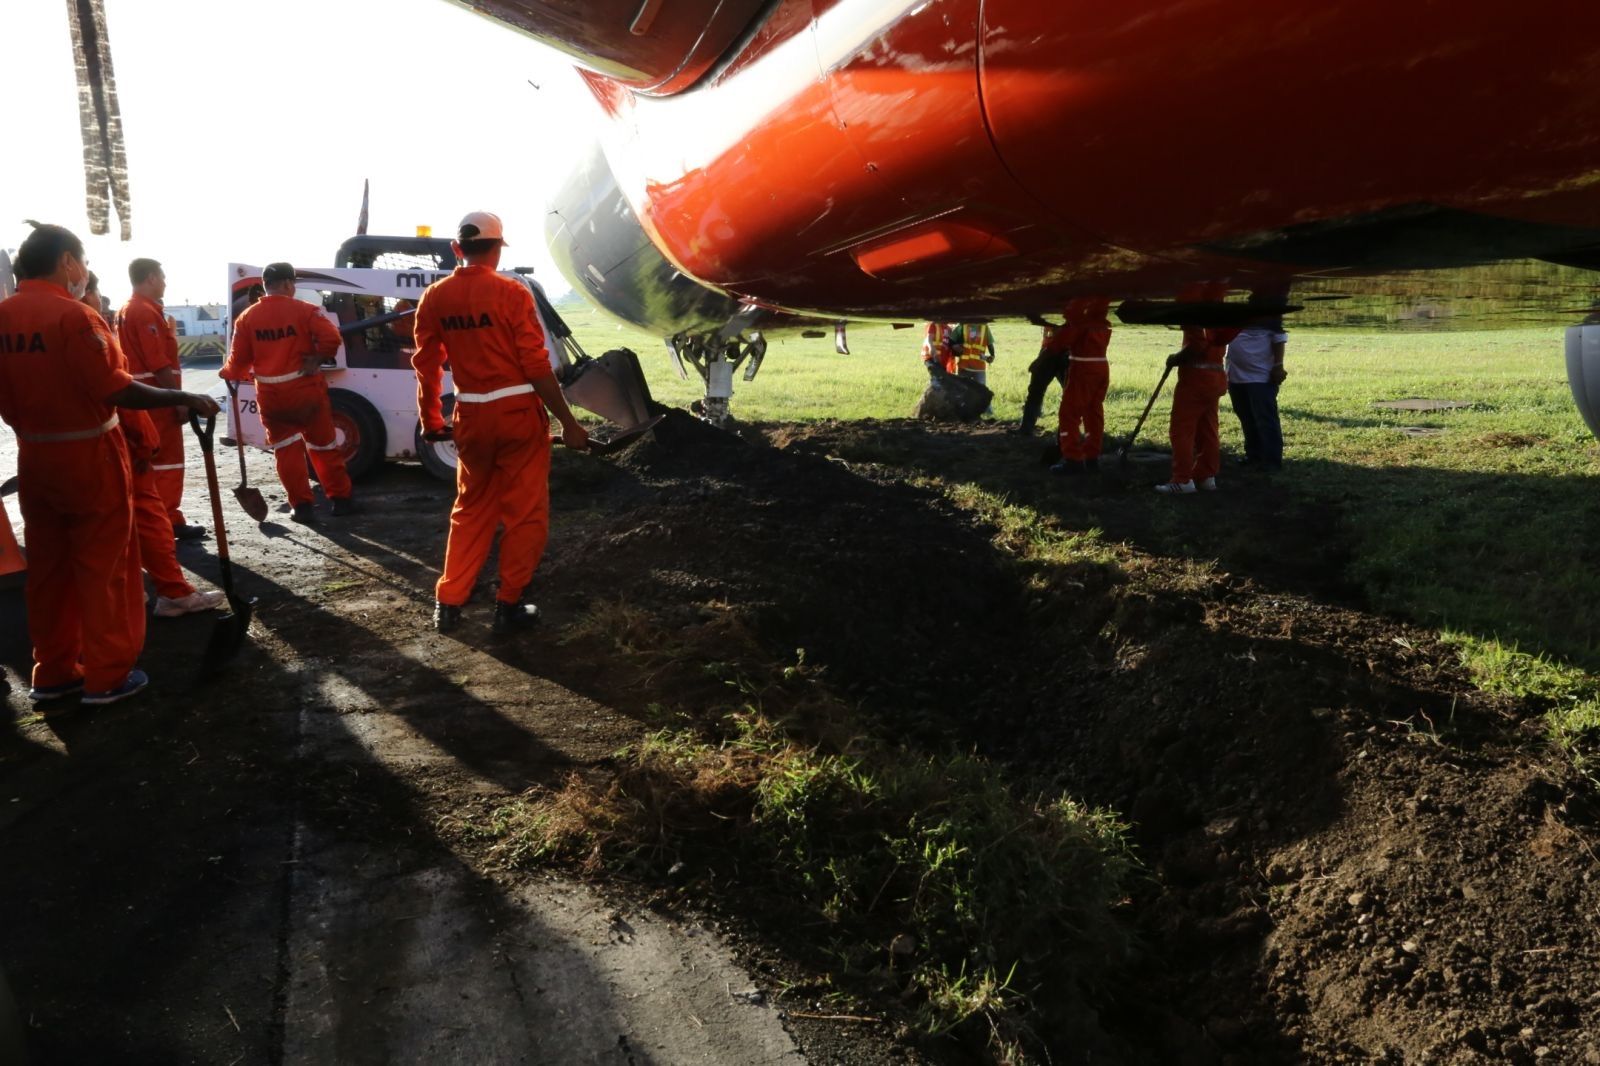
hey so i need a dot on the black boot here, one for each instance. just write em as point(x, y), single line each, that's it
point(1092, 464)
point(1068, 467)
point(445, 617)
point(511, 617)
point(1030, 418)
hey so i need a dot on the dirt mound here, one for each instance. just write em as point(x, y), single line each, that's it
point(1353, 854)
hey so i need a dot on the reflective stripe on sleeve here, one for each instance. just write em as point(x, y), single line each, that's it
point(166, 466)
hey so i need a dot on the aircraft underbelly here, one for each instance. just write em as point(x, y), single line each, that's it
point(1184, 124)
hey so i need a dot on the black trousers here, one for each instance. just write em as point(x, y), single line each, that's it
point(1046, 367)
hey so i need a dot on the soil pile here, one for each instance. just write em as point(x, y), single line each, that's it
point(1352, 853)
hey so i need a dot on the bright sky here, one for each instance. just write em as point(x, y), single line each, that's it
point(251, 125)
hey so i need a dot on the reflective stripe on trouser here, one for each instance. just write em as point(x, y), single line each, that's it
point(1083, 405)
point(1196, 446)
point(168, 463)
point(502, 478)
point(296, 414)
point(158, 553)
point(85, 595)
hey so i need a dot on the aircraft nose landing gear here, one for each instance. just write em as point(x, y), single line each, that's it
point(716, 358)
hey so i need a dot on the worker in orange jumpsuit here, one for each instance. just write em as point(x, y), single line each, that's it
point(151, 346)
point(1087, 335)
point(937, 355)
point(157, 554)
point(61, 382)
point(1202, 382)
point(487, 327)
point(280, 341)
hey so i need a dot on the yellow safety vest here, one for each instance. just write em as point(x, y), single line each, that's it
point(974, 346)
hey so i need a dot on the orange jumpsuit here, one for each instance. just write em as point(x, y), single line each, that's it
point(1086, 335)
point(58, 363)
point(158, 553)
point(1196, 443)
point(150, 345)
point(486, 326)
point(270, 341)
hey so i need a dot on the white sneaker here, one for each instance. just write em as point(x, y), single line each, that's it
point(1209, 484)
point(195, 601)
point(1176, 488)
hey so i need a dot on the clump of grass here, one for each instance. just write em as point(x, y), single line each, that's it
point(1572, 720)
point(1028, 533)
point(1575, 730)
point(930, 876)
point(1508, 670)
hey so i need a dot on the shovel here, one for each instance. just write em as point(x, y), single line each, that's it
point(228, 637)
point(250, 499)
point(1122, 451)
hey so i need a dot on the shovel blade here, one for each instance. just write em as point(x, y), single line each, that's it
point(228, 635)
point(252, 502)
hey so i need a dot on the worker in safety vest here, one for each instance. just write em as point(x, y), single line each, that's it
point(281, 341)
point(1086, 336)
point(937, 356)
point(158, 555)
point(61, 382)
point(1049, 365)
point(974, 348)
point(487, 328)
point(1202, 382)
point(150, 343)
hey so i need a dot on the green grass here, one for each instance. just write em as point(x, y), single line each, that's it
point(1489, 528)
point(1572, 722)
point(989, 895)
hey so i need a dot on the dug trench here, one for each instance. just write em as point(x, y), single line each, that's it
point(962, 780)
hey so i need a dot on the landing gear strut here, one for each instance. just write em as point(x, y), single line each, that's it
point(716, 358)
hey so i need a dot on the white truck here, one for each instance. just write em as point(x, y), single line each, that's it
point(371, 385)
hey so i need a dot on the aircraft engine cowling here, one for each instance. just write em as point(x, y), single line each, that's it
point(1583, 371)
point(603, 251)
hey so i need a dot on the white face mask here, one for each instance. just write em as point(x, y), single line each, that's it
point(81, 285)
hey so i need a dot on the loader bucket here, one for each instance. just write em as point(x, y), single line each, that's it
point(612, 387)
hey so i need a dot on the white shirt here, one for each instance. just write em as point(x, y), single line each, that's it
point(1250, 355)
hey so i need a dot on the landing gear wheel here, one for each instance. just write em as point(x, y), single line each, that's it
point(358, 428)
point(438, 457)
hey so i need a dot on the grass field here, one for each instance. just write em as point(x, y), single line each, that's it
point(1488, 527)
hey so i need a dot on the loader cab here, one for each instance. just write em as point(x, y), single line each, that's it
point(418, 262)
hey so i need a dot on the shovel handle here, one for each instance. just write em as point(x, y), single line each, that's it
point(1137, 426)
point(203, 430)
point(238, 431)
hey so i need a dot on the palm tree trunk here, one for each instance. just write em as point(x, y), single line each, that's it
point(105, 162)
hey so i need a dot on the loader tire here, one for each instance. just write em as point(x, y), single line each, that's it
point(359, 430)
